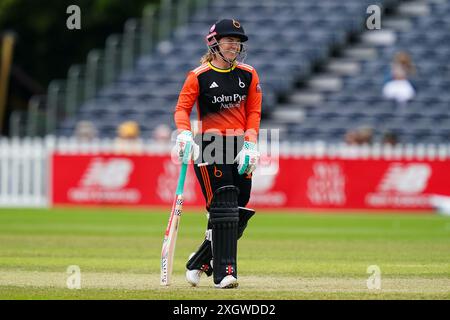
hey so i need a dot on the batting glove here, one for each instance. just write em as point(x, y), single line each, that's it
point(247, 158)
point(187, 149)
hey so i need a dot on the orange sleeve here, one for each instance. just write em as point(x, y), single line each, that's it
point(186, 100)
point(253, 109)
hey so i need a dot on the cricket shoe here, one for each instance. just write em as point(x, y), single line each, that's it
point(193, 276)
point(229, 282)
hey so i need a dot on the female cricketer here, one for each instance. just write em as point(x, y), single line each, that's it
point(228, 98)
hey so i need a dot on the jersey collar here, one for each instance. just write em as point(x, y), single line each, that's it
point(222, 70)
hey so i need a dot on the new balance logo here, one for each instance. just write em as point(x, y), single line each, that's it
point(111, 173)
point(406, 178)
point(213, 85)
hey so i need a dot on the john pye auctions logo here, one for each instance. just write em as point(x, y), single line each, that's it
point(227, 102)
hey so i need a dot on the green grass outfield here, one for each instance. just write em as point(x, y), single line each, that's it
point(281, 255)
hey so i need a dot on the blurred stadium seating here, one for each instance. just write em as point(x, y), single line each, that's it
point(320, 69)
point(358, 100)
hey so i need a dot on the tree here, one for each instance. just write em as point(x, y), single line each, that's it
point(45, 48)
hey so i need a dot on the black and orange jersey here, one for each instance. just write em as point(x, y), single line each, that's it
point(227, 100)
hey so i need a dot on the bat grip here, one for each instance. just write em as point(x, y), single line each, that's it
point(182, 177)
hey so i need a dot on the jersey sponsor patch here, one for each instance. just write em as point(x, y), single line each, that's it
point(229, 101)
point(258, 88)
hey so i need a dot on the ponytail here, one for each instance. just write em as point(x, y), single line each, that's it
point(207, 57)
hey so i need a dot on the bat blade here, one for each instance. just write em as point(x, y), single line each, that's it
point(170, 238)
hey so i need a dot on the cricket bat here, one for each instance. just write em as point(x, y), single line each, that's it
point(170, 237)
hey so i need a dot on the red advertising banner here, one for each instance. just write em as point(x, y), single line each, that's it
point(292, 183)
point(118, 180)
point(352, 184)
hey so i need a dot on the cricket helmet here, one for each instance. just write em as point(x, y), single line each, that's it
point(226, 28)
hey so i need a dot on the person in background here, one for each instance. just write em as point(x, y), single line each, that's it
point(162, 134)
point(398, 86)
point(359, 136)
point(389, 138)
point(351, 138)
point(365, 135)
point(85, 131)
point(128, 139)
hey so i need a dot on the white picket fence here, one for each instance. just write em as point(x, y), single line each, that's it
point(23, 173)
point(25, 163)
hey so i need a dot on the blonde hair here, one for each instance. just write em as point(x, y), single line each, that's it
point(207, 57)
point(404, 59)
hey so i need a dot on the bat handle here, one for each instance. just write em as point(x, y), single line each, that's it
point(182, 177)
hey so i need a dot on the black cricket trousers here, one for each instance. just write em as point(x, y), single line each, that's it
point(214, 167)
